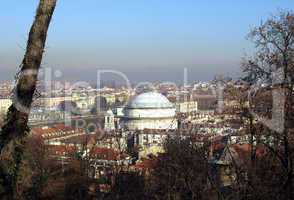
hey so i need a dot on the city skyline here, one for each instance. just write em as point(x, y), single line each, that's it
point(158, 99)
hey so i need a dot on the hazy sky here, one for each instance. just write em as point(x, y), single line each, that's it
point(148, 40)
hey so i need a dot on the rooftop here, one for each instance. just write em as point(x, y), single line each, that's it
point(150, 100)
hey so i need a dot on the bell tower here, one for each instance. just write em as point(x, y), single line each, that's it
point(109, 121)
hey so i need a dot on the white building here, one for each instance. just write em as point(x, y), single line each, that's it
point(42, 115)
point(148, 139)
point(109, 121)
point(149, 110)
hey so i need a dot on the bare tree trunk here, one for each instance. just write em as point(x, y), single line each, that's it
point(15, 128)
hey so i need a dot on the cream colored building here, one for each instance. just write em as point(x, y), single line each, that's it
point(52, 102)
point(110, 98)
point(186, 106)
point(152, 150)
point(5, 104)
point(149, 110)
point(82, 101)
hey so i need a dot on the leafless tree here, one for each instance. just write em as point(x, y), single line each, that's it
point(181, 172)
point(272, 67)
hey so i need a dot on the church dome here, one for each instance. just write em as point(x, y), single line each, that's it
point(150, 100)
point(149, 110)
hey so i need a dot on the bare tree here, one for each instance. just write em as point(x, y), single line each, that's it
point(15, 128)
point(272, 67)
point(181, 172)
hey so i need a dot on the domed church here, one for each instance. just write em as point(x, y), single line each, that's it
point(150, 110)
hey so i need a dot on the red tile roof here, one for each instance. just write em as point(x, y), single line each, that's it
point(58, 128)
point(146, 164)
point(104, 153)
point(62, 150)
point(244, 150)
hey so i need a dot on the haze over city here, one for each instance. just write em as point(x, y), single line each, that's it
point(151, 100)
point(148, 41)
